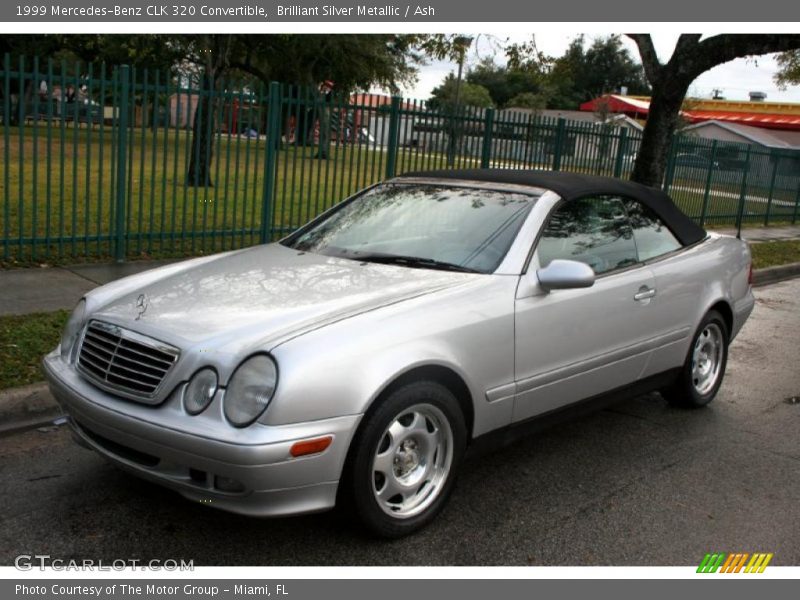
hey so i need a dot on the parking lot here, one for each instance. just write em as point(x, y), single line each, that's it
point(637, 484)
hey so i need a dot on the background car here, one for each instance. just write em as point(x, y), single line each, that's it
point(695, 161)
point(355, 361)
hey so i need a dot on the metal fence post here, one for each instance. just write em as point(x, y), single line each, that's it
point(122, 164)
point(774, 155)
point(486, 150)
point(796, 205)
point(622, 147)
point(709, 177)
point(394, 137)
point(270, 159)
point(743, 193)
point(672, 150)
point(561, 129)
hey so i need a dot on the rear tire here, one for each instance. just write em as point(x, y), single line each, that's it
point(704, 368)
point(404, 459)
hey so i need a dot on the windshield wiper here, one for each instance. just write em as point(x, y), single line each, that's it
point(417, 262)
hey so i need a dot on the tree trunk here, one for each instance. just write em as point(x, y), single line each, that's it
point(692, 57)
point(199, 172)
point(665, 105)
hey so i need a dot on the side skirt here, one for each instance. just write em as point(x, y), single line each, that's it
point(510, 434)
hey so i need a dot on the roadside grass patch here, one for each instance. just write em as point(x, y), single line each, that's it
point(24, 340)
point(770, 254)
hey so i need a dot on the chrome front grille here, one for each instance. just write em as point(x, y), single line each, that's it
point(125, 362)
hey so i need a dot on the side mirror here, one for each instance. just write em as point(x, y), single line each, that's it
point(565, 275)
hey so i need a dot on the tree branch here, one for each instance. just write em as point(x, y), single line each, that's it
point(720, 49)
point(652, 66)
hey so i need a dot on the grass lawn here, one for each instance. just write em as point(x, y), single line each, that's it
point(61, 189)
point(24, 340)
point(770, 254)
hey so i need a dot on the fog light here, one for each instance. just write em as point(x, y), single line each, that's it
point(226, 484)
point(200, 390)
point(314, 446)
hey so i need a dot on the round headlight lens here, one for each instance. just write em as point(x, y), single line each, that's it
point(200, 390)
point(72, 329)
point(250, 390)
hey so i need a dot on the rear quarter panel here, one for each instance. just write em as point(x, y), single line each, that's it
point(689, 283)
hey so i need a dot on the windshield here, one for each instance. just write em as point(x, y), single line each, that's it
point(423, 226)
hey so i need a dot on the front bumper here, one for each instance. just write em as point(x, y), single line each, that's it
point(192, 454)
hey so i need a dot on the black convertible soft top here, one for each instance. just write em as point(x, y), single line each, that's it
point(576, 185)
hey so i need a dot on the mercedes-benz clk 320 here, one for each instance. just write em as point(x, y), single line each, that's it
point(356, 360)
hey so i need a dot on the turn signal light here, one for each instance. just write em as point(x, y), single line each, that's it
point(314, 446)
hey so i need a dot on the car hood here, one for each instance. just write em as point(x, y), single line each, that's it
point(263, 296)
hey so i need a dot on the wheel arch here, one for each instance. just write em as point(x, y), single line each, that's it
point(724, 309)
point(438, 374)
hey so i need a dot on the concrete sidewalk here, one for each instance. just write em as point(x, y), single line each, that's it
point(24, 291)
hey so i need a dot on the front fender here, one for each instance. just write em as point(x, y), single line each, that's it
point(341, 369)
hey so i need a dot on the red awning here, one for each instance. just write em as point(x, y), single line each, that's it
point(618, 104)
point(765, 120)
point(639, 108)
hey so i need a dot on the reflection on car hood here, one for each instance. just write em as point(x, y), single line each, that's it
point(265, 295)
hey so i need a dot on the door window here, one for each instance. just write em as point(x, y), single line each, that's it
point(653, 238)
point(592, 230)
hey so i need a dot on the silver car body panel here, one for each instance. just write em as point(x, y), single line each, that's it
point(342, 331)
point(275, 483)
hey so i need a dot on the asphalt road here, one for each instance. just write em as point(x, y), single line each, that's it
point(638, 484)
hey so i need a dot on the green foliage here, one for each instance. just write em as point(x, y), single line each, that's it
point(528, 100)
point(504, 84)
point(351, 61)
point(144, 51)
point(582, 72)
point(789, 73)
point(443, 97)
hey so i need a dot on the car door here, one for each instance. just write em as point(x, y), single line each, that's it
point(678, 279)
point(577, 343)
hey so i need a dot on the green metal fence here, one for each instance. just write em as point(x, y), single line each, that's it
point(104, 161)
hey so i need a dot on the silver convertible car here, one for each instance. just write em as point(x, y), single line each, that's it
point(357, 360)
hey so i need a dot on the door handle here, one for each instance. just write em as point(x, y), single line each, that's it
point(644, 293)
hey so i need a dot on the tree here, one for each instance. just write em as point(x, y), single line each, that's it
point(671, 81)
point(443, 97)
point(529, 100)
point(504, 83)
point(582, 72)
point(789, 73)
point(213, 55)
point(352, 61)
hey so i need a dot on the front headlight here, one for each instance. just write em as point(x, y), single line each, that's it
point(250, 389)
point(72, 329)
point(200, 390)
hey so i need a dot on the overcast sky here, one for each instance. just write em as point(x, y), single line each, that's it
point(736, 78)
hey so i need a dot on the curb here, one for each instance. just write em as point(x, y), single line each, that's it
point(27, 407)
point(775, 274)
point(33, 406)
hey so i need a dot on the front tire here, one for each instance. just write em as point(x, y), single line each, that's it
point(405, 458)
point(704, 368)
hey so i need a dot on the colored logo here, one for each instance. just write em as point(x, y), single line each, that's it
point(735, 562)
